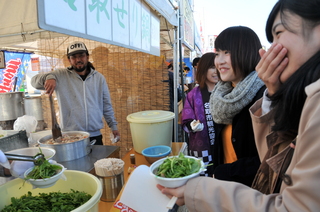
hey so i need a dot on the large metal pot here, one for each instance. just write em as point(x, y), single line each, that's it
point(69, 151)
point(11, 105)
point(33, 107)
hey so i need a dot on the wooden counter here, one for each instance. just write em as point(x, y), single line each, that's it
point(140, 160)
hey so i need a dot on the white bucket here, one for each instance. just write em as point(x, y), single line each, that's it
point(151, 128)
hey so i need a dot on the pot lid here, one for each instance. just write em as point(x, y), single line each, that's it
point(150, 116)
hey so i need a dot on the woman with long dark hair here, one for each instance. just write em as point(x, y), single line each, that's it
point(235, 153)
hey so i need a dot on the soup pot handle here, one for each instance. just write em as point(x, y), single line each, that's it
point(92, 142)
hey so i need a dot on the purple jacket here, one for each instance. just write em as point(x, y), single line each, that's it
point(194, 110)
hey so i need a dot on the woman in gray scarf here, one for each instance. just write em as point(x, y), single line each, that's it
point(235, 154)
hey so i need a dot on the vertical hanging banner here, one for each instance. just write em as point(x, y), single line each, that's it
point(13, 74)
point(126, 23)
point(120, 21)
point(135, 23)
point(188, 25)
point(145, 15)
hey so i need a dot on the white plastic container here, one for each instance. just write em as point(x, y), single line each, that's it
point(151, 128)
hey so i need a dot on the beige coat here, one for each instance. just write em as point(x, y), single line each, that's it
point(206, 194)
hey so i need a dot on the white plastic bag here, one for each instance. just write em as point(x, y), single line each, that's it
point(27, 123)
point(114, 139)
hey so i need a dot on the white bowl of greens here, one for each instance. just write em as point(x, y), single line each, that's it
point(175, 171)
point(44, 175)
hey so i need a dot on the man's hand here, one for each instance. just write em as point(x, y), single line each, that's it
point(116, 136)
point(50, 85)
point(271, 66)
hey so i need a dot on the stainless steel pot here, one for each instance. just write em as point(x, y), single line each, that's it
point(33, 107)
point(69, 151)
point(11, 105)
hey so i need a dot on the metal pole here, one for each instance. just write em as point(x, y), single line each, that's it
point(175, 77)
point(176, 69)
point(181, 56)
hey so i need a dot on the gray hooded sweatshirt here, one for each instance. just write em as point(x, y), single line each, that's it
point(82, 103)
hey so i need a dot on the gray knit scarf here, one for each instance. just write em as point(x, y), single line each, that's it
point(226, 101)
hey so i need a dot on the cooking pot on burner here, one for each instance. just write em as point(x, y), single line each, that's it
point(11, 105)
point(69, 151)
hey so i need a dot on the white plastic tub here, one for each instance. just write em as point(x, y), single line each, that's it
point(151, 128)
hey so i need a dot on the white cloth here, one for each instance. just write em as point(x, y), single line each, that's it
point(266, 103)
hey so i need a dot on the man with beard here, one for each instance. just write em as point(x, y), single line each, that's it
point(82, 93)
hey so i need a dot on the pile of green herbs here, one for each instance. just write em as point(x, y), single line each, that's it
point(43, 170)
point(49, 202)
point(180, 166)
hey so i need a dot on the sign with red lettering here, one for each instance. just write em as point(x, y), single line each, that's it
point(13, 74)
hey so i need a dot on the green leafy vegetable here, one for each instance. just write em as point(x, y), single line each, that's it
point(49, 202)
point(181, 166)
point(45, 170)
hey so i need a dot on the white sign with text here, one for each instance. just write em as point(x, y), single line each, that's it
point(127, 23)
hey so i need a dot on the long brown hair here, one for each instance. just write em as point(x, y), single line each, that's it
point(205, 63)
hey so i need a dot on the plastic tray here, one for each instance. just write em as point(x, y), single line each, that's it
point(14, 140)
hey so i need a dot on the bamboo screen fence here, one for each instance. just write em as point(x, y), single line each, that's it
point(135, 80)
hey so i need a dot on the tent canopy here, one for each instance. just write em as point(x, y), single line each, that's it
point(20, 29)
point(20, 23)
